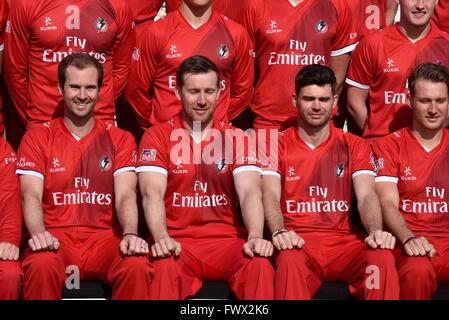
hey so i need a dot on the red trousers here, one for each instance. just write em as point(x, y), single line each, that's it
point(334, 257)
point(96, 255)
point(212, 259)
point(419, 276)
point(11, 277)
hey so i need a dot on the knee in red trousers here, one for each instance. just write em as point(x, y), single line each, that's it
point(254, 281)
point(380, 277)
point(44, 276)
point(292, 280)
point(417, 278)
point(171, 281)
point(131, 278)
point(11, 277)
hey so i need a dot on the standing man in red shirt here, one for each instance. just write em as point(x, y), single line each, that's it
point(288, 35)
point(369, 16)
point(192, 171)
point(193, 29)
point(11, 275)
point(43, 32)
point(381, 64)
point(413, 187)
point(307, 190)
point(78, 183)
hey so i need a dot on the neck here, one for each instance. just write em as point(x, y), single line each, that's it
point(428, 138)
point(79, 126)
point(313, 135)
point(196, 16)
point(414, 33)
point(198, 130)
point(295, 2)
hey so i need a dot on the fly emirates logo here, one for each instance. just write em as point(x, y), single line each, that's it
point(432, 204)
point(82, 195)
point(298, 55)
point(74, 44)
point(200, 198)
point(317, 206)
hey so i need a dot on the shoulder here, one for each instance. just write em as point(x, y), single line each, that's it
point(234, 27)
point(6, 152)
point(115, 133)
point(42, 132)
point(391, 141)
point(159, 132)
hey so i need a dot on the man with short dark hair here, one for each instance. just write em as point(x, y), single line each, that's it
point(78, 187)
point(193, 170)
point(307, 191)
point(413, 187)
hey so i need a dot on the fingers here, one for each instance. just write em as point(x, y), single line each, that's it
point(8, 251)
point(43, 241)
point(258, 246)
point(381, 239)
point(165, 247)
point(419, 247)
point(124, 246)
point(12, 253)
point(132, 245)
point(288, 240)
point(371, 242)
point(247, 248)
point(177, 248)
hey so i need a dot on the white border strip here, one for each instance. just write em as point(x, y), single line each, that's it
point(270, 173)
point(152, 169)
point(30, 173)
point(246, 168)
point(386, 179)
point(356, 84)
point(124, 169)
point(360, 172)
point(2, 47)
point(339, 52)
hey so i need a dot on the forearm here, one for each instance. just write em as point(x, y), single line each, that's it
point(33, 214)
point(126, 207)
point(339, 64)
point(358, 113)
point(273, 215)
point(370, 213)
point(395, 222)
point(252, 212)
point(154, 208)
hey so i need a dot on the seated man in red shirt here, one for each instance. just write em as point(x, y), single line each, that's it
point(307, 190)
point(10, 225)
point(78, 186)
point(412, 184)
point(192, 171)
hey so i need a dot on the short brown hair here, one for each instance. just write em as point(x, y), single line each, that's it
point(80, 61)
point(195, 65)
point(433, 72)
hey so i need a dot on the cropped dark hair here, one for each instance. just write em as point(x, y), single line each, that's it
point(315, 74)
point(433, 72)
point(195, 65)
point(80, 61)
